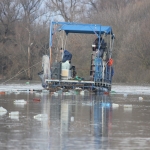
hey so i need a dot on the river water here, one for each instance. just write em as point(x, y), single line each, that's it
point(73, 120)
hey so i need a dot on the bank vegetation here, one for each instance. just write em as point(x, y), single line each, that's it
point(24, 36)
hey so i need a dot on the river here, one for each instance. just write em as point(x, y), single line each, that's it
point(74, 120)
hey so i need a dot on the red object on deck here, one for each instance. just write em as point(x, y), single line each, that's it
point(106, 93)
point(2, 93)
point(36, 99)
point(110, 62)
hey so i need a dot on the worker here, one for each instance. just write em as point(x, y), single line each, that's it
point(66, 55)
point(99, 50)
point(65, 64)
point(96, 44)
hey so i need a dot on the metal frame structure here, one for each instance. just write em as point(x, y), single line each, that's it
point(68, 28)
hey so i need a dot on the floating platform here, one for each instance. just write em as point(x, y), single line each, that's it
point(55, 84)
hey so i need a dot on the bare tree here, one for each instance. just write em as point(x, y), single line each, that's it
point(69, 10)
point(24, 35)
point(31, 9)
point(9, 14)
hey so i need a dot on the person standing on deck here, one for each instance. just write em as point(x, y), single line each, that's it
point(99, 50)
point(65, 63)
point(66, 55)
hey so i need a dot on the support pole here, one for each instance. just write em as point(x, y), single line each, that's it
point(29, 56)
point(50, 43)
point(50, 56)
point(29, 70)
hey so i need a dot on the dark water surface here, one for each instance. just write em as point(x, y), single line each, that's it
point(75, 122)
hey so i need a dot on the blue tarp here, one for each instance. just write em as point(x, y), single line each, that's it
point(69, 27)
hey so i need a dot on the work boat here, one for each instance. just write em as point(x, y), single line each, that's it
point(57, 75)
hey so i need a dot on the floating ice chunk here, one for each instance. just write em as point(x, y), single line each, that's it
point(55, 94)
point(14, 113)
point(88, 103)
point(41, 116)
point(127, 109)
point(21, 101)
point(77, 88)
point(72, 92)
point(127, 106)
point(67, 93)
point(8, 92)
point(39, 119)
point(14, 90)
point(2, 109)
point(115, 105)
point(37, 94)
point(83, 92)
point(59, 91)
point(125, 95)
point(72, 119)
point(2, 113)
point(17, 93)
point(140, 98)
point(45, 91)
point(15, 117)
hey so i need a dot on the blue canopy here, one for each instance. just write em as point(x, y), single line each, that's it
point(70, 27)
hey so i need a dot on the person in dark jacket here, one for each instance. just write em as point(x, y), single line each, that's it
point(95, 44)
point(66, 55)
point(99, 50)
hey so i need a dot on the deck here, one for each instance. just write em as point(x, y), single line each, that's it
point(74, 84)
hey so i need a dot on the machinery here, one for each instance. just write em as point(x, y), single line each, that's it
point(101, 67)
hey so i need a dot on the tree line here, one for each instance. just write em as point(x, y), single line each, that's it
point(24, 35)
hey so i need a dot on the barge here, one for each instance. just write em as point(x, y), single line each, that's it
point(58, 75)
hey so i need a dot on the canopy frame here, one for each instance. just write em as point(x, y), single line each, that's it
point(71, 27)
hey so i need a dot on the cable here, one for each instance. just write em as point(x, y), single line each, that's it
point(20, 73)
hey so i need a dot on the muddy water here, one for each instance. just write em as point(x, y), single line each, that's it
point(75, 122)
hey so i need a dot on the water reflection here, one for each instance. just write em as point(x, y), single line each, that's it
point(102, 121)
point(73, 122)
point(82, 120)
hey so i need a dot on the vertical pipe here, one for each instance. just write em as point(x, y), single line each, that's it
point(50, 56)
point(50, 43)
point(110, 47)
point(65, 41)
